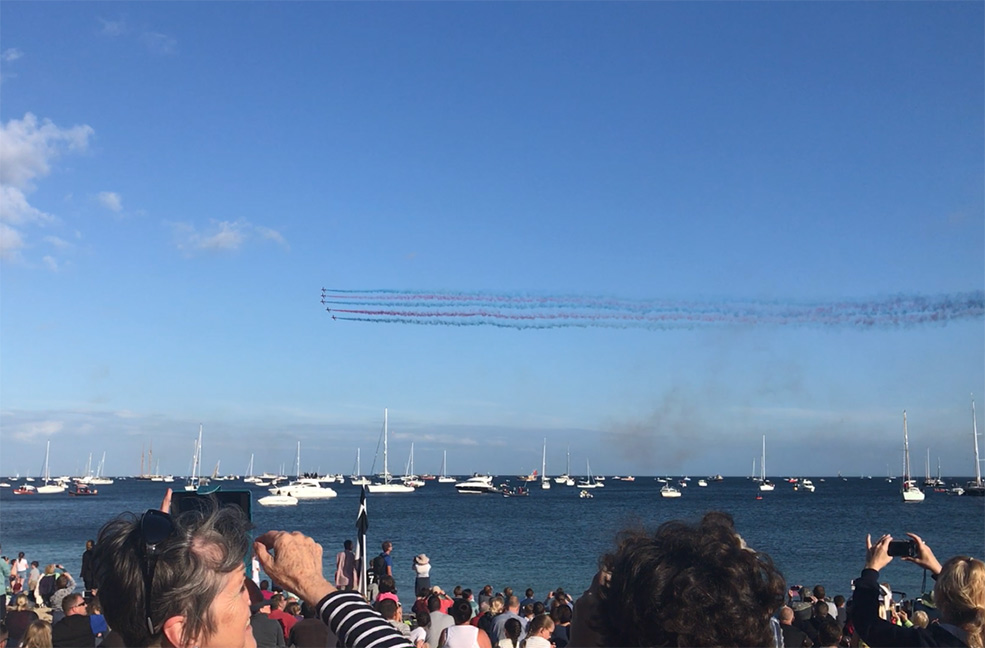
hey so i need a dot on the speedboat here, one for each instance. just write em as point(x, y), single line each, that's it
point(477, 484)
point(304, 489)
point(25, 489)
point(82, 490)
point(278, 500)
point(702, 483)
point(669, 491)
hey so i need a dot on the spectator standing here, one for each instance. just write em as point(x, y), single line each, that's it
point(65, 585)
point(346, 576)
point(422, 572)
point(512, 612)
point(87, 573)
point(793, 637)
point(439, 620)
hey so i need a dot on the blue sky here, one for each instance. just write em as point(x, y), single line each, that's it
point(180, 180)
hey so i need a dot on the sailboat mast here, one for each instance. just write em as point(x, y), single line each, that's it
point(297, 462)
point(906, 452)
point(978, 463)
point(386, 466)
point(762, 463)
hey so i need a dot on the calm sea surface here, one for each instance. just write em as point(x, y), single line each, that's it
point(551, 538)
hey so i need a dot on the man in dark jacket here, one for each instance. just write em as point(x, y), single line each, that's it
point(311, 632)
point(88, 574)
point(267, 632)
point(74, 630)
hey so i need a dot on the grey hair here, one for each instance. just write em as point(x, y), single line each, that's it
point(204, 547)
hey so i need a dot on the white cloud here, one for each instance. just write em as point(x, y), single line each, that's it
point(221, 235)
point(30, 430)
point(50, 263)
point(11, 54)
point(58, 242)
point(160, 43)
point(110, 200)
point(27, 148)
point(113, 27)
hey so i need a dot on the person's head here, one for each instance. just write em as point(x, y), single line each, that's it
point(561, 615)
point(347, 545)
point(487, 590)
point(818, 592)
point(37, 635)
point(785, 615)
point(529, 592)
point(191, 565)
point(527, 610)
point(95, 606)
point(74, 604)
point(513, 604)
point(434, 603)
point(49, 569)
point(496, 605)
point(820, 609)
point(461, 611)
point(20, 602)
point(688, 584)
point(90, 544)
point(277, 602)
point(828, 633)
point(423, 619)
point(265, 584)
point(293, 608)
point(513, 629)
point(456, 591)
point(960, 597)
point(20, 554)
point(538, 608)
point(467, 594)
point(839, 601)
point(387, 547)
point(507, 593)
point(35, 564)
point(387, 584)
point(424, 592)
point(62, 582)
point(540, 626)
point(387, 609)
point(920, 619)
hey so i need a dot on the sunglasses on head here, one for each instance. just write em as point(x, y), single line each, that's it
point(155, 528)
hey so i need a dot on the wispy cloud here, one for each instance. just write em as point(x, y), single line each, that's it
point(110, 200)
point(158, 43)
point(221, 235)
point(34, 429)
point(27, 148)
point(50, 262)
point(11, 54)
point(113, 27)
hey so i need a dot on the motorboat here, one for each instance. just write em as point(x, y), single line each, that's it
point(82, 490)
point(305, 488)
point(388, 485)
point(669, 491)
point(909, 489)
point(702, 483)
point(25, 489)
point(278, 500)
point(477, 485)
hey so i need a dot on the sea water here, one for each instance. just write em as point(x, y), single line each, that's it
point(552, 537)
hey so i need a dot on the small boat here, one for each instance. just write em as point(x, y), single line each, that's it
point(82, 490)
point(545, 483)
point(443, 478)
point(278, 500)
point(194, 481)
point(4, 484)
point(909, 489)
point(805, 484)
point(764, 484)
point(48, 487)
point(25, 489)
point(589, 481)
point(628, 478)
point(669, 491)
point(519, 491)
point(476, 485)
point(702, 483)
point(584, 494)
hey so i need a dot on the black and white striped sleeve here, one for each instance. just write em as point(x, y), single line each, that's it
point(357, 624)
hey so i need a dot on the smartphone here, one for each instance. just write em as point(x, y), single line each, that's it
point(182, 501)
point(906, 548)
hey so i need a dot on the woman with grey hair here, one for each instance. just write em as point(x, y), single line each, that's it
point(180, 582)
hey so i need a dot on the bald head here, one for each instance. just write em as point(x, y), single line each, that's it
point(786, 615)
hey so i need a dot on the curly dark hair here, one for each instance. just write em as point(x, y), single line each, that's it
point(688, 585)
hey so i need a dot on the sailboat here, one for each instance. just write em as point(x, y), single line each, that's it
point(933, 482)
point(588, 482)
point(977, 487)
point(444, 478)
point(357, 478)
point(388, 485)
point(565, 479)
point(49, 488)
point(765, 485)
point(545, 483)
point(100, 478)
point(194, 481)
point(410, 477)
point(911, 492)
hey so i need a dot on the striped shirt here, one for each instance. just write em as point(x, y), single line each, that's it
point(357, 624)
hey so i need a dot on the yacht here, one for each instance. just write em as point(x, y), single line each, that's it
point(388, 485)
point(278, 500)
point(909, 489)
point(305, 488)
point(477, 484)
point(669, 491)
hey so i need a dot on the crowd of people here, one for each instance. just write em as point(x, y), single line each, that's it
point(180, 581)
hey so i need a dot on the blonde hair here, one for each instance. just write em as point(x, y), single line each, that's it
point(960, 596)
point(496, 605)
point(920, 619)
point(37, 635)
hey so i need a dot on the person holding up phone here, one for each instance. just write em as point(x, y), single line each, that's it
point(959, 592)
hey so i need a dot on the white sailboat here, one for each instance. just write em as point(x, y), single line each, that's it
point(976, 487)
point(765, 485)
point(545, 483)
point(194, 481)
point(357, 478)
point(388, 485)
point(100, 478)
point(444, 478)
point(669, 491)
point(48, 488)
point(565, 479)
point(911, 492)
point(589, 482)
point(250, 479)
point(410, 477)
